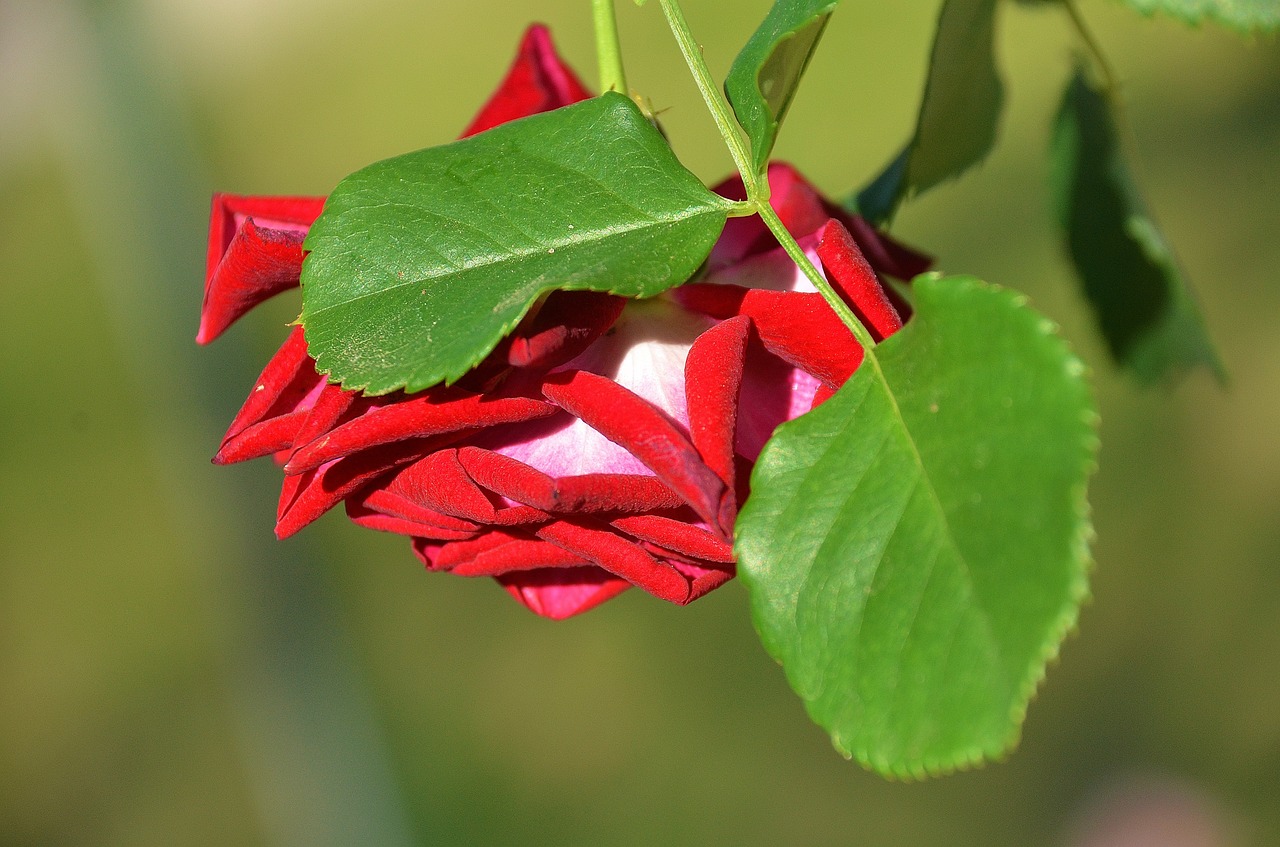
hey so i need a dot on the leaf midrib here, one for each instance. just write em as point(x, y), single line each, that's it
point(517, 256)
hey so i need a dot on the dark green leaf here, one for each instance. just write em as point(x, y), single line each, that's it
point(422, 263)
point(1131, 278)
point(916, 548)
point(764, 76)
point(959, 113)
point(1242, 14)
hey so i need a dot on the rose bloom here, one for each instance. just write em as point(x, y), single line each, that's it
point(606, 442)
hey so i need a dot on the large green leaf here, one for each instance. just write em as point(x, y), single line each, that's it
point(422, 263)
point(916, 548)
point(767, 71)
point(1241, 14)
point(1130, 276)
point(959, 113)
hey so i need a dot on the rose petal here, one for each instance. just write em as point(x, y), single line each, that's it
point(568, 323)
point(433, 412)
point(677, 536)
point(288, 384)
point(255, 252)
point(521, 483)
point(797, 327)
point(619, 557)
point(853, 277)
point(713, 379)
point(632, 422)
point(538, 81)
point(559, 593)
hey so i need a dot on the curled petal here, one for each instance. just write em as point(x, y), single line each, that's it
point(853, 277)
point(287, 386)
point(538, 81)
point(565, 326)
point(431, 413)
point(620, 557)
point(635, 424)
point(255, 252)
point(559, 593)
point(306, 496)
point(521, 483)
point(677, 536)
point(713, 380)
point(797, 327)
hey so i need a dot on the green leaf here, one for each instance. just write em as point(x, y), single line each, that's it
point(1143, 303)
point(422, 263)
point(1246, 15)
point(916, 548)
point(765, 74)
point(959, 113)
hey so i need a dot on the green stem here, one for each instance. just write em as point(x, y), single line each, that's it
point(757, 189)
point(608, 48)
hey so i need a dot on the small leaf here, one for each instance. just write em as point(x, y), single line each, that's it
point(959, 113)
point(1244, 15)
point(765, 74)
point(420, 264)
point(916, 548)
point(1143, 303)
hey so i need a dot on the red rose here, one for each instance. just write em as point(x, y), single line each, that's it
point(605, 443)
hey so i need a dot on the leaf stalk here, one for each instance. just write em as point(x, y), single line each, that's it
point(608, 48)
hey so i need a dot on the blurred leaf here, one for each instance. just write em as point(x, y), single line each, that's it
point(767, 71)
point(916, 547)
point(1244, 15)
point(420, 264)
point(959, 113)
point(1144, 306)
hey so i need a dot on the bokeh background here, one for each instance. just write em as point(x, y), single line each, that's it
point(170, 674)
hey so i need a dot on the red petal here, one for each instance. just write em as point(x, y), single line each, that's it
point(713, 378)
point(518, 481)
point(619, 557)
point(383, 522)
point(255, 252)
point(566, 325)
point(636, 425)
point(286, 385)
point(856, 281)
point(797, 327)
point(431, 413)
point(440, 483)
point(538, 81)
point(306, 496)
point(559, 593)
point(677, 536)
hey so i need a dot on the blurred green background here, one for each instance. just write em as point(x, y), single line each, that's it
point(173, 675)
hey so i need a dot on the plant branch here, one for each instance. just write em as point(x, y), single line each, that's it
point(757, 189)
point(608, 48)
